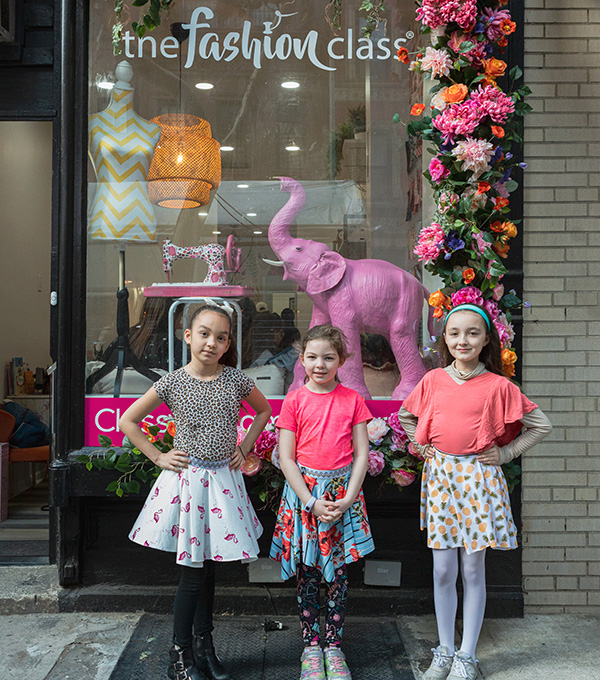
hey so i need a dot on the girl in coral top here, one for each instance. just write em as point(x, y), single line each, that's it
point(464, 419)
point(322, 522)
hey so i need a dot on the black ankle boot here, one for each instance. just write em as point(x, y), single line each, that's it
point(182, 666)
point(207, 660)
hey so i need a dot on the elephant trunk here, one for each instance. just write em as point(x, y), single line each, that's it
point(279, 229)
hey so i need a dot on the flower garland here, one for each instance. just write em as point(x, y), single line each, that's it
point(391, 457)
point(473, 124)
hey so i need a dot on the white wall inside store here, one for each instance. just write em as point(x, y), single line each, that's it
point(25, 229)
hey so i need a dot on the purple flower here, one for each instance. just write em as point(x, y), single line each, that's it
point(376, 462)
point(453, 243)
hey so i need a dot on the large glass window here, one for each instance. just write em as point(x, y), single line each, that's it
point(284, 96)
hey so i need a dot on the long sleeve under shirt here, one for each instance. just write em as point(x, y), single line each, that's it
point(536, 423)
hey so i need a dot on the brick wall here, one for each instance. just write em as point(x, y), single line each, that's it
point(561, 343)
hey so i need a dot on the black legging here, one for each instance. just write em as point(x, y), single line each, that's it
point(194, 603)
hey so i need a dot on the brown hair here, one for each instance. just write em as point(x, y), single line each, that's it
point(333, 335)
point(152, 319)
point(230, 356)
point(490, 354)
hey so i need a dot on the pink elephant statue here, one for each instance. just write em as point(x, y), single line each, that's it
point(373, 296)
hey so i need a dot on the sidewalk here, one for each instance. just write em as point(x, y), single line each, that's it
point(135, 647)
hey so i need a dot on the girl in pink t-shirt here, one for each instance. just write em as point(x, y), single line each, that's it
point(322, 522)
point(464, 419)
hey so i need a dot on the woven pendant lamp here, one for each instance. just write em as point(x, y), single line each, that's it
point(186, 163)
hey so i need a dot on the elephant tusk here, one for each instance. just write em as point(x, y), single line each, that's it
point(274, 263)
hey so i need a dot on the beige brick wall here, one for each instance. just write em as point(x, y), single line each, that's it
point(561, 358)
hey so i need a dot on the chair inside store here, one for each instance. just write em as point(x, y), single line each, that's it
point(10, 454)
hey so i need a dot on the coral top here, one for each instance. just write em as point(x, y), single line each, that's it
point(468, 418)
point(323, 425)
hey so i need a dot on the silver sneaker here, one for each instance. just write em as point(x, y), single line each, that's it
point(464, 667)
point(441, 664)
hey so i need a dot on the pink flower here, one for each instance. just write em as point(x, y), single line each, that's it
point(403, 477)
point(492, 20)
point(413, 452)
point(492, 102)
point(498, 292)
point(377, 429)
point(431, 242)
point(447, 200)
point(394, 423)
point(438, 102)
point(265, 443)
point(475, 155)
point(501, 189)
point(399, 440)
point(458, 119)
point(476, 54)
point(492, 309)
point(505, 330)
point(456, 40)
point(482, 244)
point(434, 13)
point(251, 466)
point(468, 294)
point(376, 463)
point(438, 170)
point(436, 61)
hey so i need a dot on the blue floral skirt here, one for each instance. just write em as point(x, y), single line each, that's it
point(300, 538)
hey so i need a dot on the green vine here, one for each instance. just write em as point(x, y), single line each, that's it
point(373, 10)
point(149, 19)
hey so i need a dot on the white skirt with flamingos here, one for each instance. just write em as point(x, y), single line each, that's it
point(201, 513)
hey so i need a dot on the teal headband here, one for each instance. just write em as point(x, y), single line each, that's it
point(469, 308)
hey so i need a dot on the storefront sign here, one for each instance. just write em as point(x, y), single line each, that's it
point(102, 416)
point(204, 44)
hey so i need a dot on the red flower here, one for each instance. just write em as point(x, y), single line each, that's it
point(508, 26)
point(503, 42)
point(468, 275)
point(171, 428)
point(286, 523)
point(501, 203)
point(498, 131)
point(483, 187)
point(417, 109)
point(403, 55)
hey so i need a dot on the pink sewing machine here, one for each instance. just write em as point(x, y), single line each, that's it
point(214, 254)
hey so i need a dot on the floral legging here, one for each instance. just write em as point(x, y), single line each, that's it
point(309, 605)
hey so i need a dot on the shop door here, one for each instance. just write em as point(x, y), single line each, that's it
point(25, 227)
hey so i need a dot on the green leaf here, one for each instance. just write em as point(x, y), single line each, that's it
point(511, 185)
point(104, 441)
point(515, 73)
point(139, 3)
point(119, 492)
point(113, 486)
point(456, 275)
point(465, 47)
point(89, 465)
point(510, 300)
point(134, 486)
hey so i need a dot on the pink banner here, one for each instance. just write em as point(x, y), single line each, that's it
point(102, 415)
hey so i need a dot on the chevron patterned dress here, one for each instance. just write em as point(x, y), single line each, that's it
point(121, 146)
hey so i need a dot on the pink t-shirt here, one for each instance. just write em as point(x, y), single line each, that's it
point(323, 425)
point(467, 418)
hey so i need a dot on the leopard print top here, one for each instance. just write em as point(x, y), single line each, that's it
point(206, 412)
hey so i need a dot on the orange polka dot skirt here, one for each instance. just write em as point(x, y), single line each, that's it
point(465, 504)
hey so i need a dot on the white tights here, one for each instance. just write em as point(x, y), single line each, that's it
point(445, 572)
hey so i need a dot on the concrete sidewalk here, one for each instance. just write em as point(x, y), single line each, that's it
point(135, 647)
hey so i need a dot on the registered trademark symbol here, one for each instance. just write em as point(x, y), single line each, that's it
point(410, 34)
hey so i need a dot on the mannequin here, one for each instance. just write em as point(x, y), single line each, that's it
point(121, 146)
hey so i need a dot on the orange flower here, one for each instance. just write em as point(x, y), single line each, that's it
point(497, 226)
point(509, 358)
point(455, 94)
point(171, 428)
point(438, 312)
point(494, 68)
point(507, 26)
point(511, 229)
point(498, 131)
point(501, 203)
point(483, 187)
point(468, 275)
point(403, 55)
point(438, 299)
point(500, 249)
point(417, 109)
point(503, 42)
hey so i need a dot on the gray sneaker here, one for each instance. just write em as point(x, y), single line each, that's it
point(464, 667)
point(335, 664)
point(441, 664)
point(312, 664)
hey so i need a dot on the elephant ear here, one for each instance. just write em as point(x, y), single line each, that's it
point(326, 273)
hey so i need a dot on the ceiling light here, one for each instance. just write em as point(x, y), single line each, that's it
point(250, 214)
point(202, 214)
point(216, 232)
point(226, 148)
point(105, 85)
point(292, 147)
point(243, 186)
point(258, 231)
point(290, 85)
point(204, 86)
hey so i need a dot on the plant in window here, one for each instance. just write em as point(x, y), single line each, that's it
point(149, 18)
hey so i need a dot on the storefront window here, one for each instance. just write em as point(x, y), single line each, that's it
point(283, 96)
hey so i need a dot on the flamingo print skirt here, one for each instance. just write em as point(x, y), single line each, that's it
point(201, 513)
point(300, 538)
